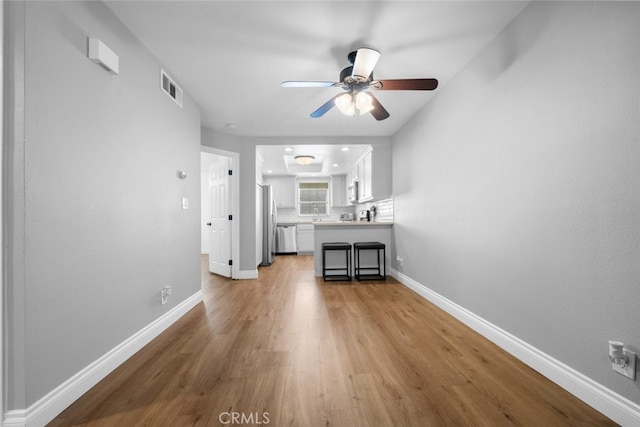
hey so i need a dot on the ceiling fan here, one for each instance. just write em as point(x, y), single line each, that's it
point(356, 80)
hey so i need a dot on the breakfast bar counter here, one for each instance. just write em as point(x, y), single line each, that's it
point(350, 232)
point(352, 223)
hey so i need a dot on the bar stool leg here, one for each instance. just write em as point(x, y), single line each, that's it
point(324, 265)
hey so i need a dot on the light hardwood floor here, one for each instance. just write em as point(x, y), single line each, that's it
point(291, 350)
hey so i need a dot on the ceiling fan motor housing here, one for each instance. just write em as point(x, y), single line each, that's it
point(351, 57)
point(345, 73)
point(354, 82)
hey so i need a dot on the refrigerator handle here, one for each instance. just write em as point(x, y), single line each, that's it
point(275, 213)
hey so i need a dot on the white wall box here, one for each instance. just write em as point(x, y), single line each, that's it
point(100, 53)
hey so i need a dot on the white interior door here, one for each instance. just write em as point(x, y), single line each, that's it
point(220, 239)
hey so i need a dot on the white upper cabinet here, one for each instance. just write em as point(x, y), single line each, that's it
point(288, 192)
point(339, 191)
point(374, 174)
point(284, 190)
point(259, 162)
point(366, 182)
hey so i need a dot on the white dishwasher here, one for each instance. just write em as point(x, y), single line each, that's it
point(305, 238)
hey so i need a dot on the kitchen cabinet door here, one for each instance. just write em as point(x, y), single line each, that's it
point(339, 191)
point(374, 174)
point(287, 192)
point(284, 190)
point(366, 177)
point(305, 238)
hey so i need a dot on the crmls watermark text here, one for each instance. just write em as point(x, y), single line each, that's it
point(244, 418)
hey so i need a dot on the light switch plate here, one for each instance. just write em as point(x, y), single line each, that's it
point(185, 203)
point(629, 370)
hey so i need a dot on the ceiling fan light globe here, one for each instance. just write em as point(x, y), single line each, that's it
point(350, 110)
point(345, 104)
point(364, 102)
point(366, 110)
point(343, 101)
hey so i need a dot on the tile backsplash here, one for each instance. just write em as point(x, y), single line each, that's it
point(291, 214)
point(384, 209)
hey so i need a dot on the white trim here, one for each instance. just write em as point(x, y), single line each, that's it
point(235, 206)
point(2, 279)
point(52, 404)
point(617, 407)
point(247, 274)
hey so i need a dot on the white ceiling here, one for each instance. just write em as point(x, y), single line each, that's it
point(231, 56)
point(329, 159)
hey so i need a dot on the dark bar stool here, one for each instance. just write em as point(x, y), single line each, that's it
point(336, 246)
point(380, 269)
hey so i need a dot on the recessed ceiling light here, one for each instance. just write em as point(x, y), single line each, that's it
point(269, 171)
point(288, 149)
point(345, 148)
point(335, 165)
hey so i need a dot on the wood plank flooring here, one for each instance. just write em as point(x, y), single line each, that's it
point(290, 350)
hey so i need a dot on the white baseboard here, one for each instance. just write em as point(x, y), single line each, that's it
point(247, 274)
point(57, 400)
point(617, 407)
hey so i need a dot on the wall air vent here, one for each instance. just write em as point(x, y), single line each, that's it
point(171, 88)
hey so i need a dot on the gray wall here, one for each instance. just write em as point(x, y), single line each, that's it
point(93, 212)
point(516, 189)
point(246, 147)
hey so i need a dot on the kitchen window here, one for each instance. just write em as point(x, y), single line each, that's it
point(313, 198)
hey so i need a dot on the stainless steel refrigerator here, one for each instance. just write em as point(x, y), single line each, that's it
point(269, 222)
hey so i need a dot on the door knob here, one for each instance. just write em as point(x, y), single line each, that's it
point(209, 224)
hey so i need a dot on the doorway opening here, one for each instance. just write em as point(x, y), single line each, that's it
point(219, 231)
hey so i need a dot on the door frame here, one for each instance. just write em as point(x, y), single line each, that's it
point(2, 266)
point(234, 203)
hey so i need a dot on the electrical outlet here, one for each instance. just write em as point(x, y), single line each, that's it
point(399, 259)
point(164, 294)
point(629, 368)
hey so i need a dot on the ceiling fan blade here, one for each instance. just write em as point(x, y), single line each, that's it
point(366, 59)
point(306, 84)
point(378, 112)
point(324, 107)
point(407, 84)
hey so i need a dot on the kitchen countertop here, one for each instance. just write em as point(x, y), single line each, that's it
point(352, 223)
point(293, 222)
